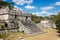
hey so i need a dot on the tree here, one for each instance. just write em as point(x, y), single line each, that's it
point(4, 4)
point(56, 20)
point(35, 18)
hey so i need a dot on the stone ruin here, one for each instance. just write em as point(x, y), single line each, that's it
point(16, 20)
point(47, 24)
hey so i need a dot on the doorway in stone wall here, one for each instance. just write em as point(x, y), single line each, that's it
point(26, 18)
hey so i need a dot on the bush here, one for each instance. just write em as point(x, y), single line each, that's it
point(59, 35)
point(4, 4)
point(1, 25)
point(3, 35)
point(35, 18)
point(58, 31)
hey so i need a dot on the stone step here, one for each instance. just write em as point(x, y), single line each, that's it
point(32, 27)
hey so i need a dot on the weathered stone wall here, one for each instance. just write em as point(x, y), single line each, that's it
point(47, 24)
point(8, 31)
point(13, 21)
point(22, 18)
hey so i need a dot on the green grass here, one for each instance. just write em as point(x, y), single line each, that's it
point(3, 35)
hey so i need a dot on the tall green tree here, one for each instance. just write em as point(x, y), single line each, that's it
point(35, 18)
point(4, 4)
point(56, 19)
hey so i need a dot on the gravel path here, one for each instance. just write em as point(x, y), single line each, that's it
point(49, 35)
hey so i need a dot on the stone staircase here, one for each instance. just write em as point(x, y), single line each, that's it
point(32, 27)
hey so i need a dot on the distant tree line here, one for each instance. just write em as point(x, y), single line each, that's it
point(36, 19)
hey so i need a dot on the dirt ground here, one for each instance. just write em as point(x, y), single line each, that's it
point(49, 35)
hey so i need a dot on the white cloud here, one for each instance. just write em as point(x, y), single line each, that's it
point(18, 8)
point(29, 7)
point(37, 13)
point(21, 2)
point(46, 13)
point(3, 0)
point(28, 1)
point(47, 8)
point(21, 9)
point(57, 3)
point(43, 13)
